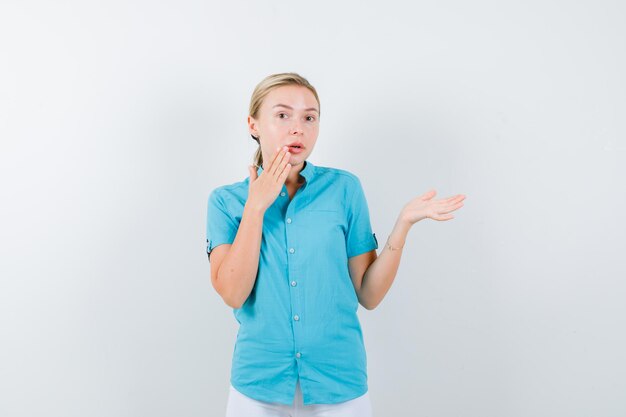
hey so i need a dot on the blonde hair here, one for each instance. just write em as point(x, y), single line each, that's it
point(263, 89)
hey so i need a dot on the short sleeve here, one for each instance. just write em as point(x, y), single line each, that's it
point(359, 236)
point(220, 226)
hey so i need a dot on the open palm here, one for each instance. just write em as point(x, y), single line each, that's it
point(424, 206)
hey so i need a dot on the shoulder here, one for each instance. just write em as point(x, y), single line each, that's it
point(339, 176)
point(233, 193)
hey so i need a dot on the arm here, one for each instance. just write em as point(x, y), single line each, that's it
point(234, 267)
point(373, 275)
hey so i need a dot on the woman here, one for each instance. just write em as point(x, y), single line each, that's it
point(292, 251)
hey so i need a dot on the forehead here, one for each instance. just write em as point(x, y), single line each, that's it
point(295, 96)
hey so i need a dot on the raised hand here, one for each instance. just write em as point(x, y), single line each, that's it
point(263, 189)
point(424, 206)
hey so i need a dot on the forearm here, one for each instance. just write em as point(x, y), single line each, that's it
point(380, 275)
point(237, 273)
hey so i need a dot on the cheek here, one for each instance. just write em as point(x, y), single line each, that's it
point(277, 127)
point(312, 129)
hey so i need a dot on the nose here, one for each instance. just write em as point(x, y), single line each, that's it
point(296, 128)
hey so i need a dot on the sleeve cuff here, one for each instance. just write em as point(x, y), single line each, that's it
point(368, 243)
point(213, 243)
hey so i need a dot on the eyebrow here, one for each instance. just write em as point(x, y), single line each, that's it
point(291, 108)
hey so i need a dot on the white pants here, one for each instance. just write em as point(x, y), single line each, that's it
point(240, 405)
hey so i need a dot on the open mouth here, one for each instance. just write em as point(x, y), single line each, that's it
point(295, 148)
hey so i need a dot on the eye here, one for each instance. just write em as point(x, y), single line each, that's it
point(312, 118)
point(279, 114)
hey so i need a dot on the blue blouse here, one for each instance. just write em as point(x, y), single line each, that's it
point(300, 320)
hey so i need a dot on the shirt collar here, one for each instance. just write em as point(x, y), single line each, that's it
point(307, 172)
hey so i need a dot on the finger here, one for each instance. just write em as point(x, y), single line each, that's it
point(448, 202)
point(449, 209)
point(283, 175)
point(275, 158)
point(453, 199)
point(277, 166)
point(451, 203)
point(283, 164)
point(443, 217)
point(253, 174)
point(285, 155)
point(428, 195)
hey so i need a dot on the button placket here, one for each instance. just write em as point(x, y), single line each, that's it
point(292, 271)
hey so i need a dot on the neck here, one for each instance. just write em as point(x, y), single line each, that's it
point(294, 175)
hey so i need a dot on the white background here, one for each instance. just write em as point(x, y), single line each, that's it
point(118, 118)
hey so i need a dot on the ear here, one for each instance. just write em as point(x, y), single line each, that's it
point(252, 129)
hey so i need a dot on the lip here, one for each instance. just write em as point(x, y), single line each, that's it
point(293, 150)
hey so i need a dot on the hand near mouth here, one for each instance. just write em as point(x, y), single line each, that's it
point(263, 189)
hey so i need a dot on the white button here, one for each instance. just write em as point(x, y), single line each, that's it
point(298, 354)
point(296, 317)
point(288, 219)
point(282, 193)
point(291, 250)
point(293, 283)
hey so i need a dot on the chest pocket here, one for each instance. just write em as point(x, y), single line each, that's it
point(325, 226)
